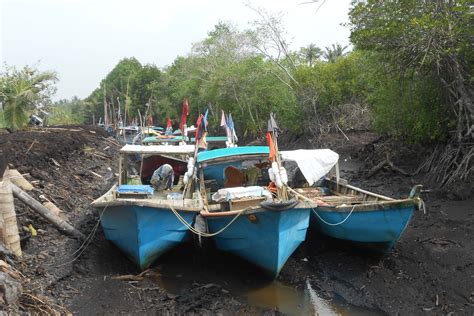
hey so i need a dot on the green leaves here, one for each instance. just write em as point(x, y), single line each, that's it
point(22, 91)
point(419, 42)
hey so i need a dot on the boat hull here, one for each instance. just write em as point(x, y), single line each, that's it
point(263, 237)
point(380, 227)
point(144, 233)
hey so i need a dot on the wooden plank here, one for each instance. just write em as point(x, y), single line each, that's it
point(245, 203)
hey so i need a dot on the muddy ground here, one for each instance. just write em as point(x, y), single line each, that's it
point(431, 270)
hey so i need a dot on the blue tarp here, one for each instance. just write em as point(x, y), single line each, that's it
point(135, 188)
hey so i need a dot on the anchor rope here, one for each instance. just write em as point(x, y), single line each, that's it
point(203, 234)
point(333, 224)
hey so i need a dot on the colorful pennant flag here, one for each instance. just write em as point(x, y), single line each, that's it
point(184, 115)
point(223, 122)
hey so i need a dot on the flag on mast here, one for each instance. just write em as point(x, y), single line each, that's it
point(223, 122)
point(184, 115)
point(169, 127)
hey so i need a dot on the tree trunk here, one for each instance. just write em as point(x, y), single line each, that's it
point(8, 225)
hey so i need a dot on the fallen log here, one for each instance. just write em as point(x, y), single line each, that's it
point(388, 162)
point(60, 224)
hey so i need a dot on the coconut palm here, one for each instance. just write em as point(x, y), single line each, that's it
point(311, 53)
point(23, 90)
point(334, 52)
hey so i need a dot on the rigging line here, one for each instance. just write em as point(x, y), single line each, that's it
point(334, 224)
point(203, 234)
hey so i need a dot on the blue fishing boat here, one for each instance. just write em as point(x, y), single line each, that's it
point(345, 212)
point(142, 222)
point(248, 222)
point(349, 213)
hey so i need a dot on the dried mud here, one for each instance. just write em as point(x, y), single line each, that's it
point(431, 270)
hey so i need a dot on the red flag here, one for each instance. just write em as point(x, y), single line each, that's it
point(198, 126)
point(184, 115)
point(169, 124)
point(272, 154)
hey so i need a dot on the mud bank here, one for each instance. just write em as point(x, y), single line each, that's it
point(431, 270)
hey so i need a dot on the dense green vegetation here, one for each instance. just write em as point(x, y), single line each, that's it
point(22, 92)
point(409, 75)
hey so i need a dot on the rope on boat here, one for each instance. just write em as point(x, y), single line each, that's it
point(334, 224)
point(203, 234)
point(420, 204)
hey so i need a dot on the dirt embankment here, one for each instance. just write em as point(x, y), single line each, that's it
point(431, 270)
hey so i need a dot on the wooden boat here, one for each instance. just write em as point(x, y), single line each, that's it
point(247, 222)
point(349, 213)
point(126, 134)
point(140, 221)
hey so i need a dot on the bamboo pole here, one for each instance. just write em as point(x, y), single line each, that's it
point(44, 212)
point(9, 227)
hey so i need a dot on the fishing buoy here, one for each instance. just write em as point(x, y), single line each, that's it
point(283, 175)
point(278, 182)
point(271, 174)
point(275, 168)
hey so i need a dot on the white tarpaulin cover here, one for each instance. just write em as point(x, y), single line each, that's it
point(313, 163)
point(239, 192)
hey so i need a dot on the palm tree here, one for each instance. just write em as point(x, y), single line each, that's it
point(334, 52)
point(311, 53)
point(21, 91)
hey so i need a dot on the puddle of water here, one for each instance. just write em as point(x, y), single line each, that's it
point(182, 267)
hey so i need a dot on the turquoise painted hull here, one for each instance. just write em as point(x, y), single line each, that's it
point(382, 227)
point(144, 233)
point(268, 241)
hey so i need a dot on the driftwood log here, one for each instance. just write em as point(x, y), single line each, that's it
point(388, 162)
point(60, 224)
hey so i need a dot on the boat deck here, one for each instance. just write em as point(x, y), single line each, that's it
point(161, 199)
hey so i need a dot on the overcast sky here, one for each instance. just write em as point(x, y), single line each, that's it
point(82, 40)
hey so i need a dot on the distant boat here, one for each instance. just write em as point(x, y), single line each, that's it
point(140, 221)
point(247, 222)
point(126, 134)
point(349, 213)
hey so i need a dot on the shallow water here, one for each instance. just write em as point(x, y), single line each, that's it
point(182, 267)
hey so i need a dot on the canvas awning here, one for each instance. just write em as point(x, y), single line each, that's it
point(158, 149)
point(313, 163)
